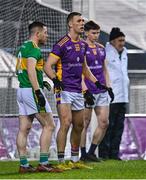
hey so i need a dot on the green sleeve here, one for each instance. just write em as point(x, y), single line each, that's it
point(34, 53)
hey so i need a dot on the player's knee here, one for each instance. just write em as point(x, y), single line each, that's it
point(78, 127)
point(50, 126)
point(25, 130)
point(65, 125)
point(104, 124)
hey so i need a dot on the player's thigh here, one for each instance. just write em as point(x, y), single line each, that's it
point(78, 118)
point(45, 119)
point(102, 113)
point(64, 112)
point(25, 122)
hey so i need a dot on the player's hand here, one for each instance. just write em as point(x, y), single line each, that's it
point(47, 85)
point(89, 98)
point(111, 94)
point(100, 86)
point(40, 97)
point(58, 84)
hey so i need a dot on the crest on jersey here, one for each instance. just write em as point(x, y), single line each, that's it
point(87, 52)
point(77, 47)
point(78, 59)
point(96, 62)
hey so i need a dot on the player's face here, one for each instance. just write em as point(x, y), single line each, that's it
point(77, 24)
point(93, 35)
point(119, 43)
point(43, 35)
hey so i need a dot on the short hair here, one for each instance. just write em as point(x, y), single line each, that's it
point(71, 15)
point(91, 25)
point(34, 25)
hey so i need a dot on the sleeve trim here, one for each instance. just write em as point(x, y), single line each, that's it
point(54, 55)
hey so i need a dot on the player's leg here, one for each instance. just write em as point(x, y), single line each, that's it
point(45, 117)
point(65, 117)
point(64, 112)
point(102, 113)
point(25, 123)
point(87, 119)
point(105, 145)
point(47, 123)
point(46, 120)
point(77, 122)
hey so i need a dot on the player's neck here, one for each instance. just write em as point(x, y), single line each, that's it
point(74, 36)
point(90, 43)
point(35, 41)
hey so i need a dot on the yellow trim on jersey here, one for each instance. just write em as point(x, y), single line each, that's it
point(59, 70)
point(40, 64)
point(74, 41)
point(54, 55)
point(58, 99)
point(23, 64)
point(35, 45)
point(63, 41)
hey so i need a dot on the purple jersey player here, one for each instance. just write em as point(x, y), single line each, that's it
point(96, 99)
point(95, 57)
point(68, 56)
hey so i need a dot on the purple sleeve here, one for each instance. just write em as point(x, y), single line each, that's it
point(57, 50)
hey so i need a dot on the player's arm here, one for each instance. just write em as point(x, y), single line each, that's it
point(31, 64)
point(48, 68)
point(89, 98)
point(84, 87)
point(106, 73)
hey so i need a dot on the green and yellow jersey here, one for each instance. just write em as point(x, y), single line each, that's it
point(29, 50)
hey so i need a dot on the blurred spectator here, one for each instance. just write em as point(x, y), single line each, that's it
point(116, 55)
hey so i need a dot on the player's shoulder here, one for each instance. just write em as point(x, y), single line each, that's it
point(100, 45)
point(83, 41)
point(29, 45)
point(63, 40)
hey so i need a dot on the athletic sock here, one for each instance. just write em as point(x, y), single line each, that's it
point(74, 153)
point(24, 161)
point(92, 148)
point(61, 157)
point(44, 158)
point(83, 151)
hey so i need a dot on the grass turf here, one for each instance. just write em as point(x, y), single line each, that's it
point(105, 170)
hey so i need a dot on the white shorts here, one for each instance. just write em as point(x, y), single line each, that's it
point(101, 99)
point(27, 103)
point(75, 99)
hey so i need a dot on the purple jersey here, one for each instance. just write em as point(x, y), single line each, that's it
point(70, 56)
point(95, 57)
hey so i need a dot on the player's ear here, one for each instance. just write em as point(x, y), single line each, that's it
point(37, 33)
point(70, 24)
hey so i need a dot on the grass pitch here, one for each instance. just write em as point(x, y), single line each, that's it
point(110, 169)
